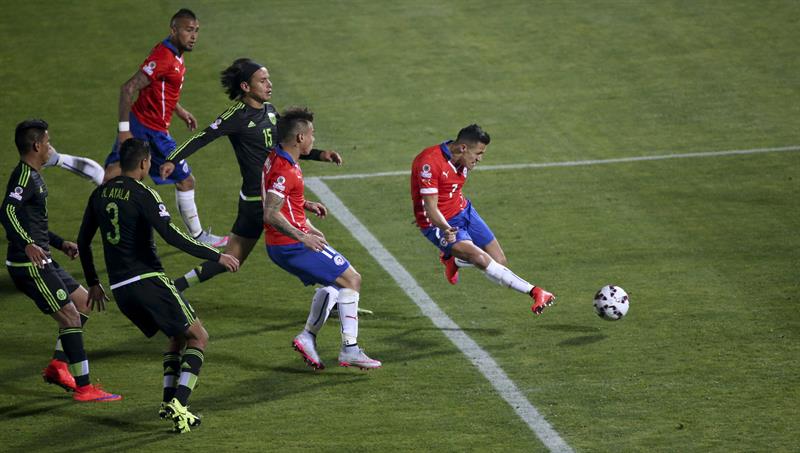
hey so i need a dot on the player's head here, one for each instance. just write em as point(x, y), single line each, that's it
point(183, 30)
point(32, 136)
point(134, 155)
point(469, 146)
point(246, 78)
point(296, 128)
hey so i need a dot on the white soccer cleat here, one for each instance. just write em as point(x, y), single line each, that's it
point(212, 239)
point(305, 344)
point(355, 356)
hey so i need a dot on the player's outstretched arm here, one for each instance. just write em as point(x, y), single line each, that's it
point(155, 212)
point(323, 156)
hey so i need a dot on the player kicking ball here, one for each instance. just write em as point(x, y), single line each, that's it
point(450, 222)
point(296, 246)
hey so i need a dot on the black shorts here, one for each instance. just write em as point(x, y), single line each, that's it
point(49, 287)
point(154, 304)
point(249, 220)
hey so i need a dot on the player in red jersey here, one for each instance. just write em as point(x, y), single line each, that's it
point(450, 222)
point(295, 245)
point(158, 83)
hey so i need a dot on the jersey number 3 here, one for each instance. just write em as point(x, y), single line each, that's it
point(113, 212)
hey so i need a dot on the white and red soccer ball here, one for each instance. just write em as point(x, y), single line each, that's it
point(611, 303)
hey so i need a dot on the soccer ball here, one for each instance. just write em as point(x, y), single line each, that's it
point(611, 303)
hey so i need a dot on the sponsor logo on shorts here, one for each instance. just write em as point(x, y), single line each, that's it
point(162, 210)
point(61, 294)
point(426, 172)
point(149, 68)
point(443, 242)
point(339, 260)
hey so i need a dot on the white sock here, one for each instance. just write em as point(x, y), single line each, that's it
point(348, 315)
point(188, 210)
point(321, 304)
point(81, 166)
point(503, 276)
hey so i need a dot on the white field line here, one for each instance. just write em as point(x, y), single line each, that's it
point(477, 355)
point(577, 163)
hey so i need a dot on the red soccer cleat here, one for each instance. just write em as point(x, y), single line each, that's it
point(93, 393)
point(57, 373)
point(450, 268)
point(541, 300)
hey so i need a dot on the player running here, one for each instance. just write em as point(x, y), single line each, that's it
point(126, 211)
point(250, 125)
point(296, 246)
point(158, 83)
point(448, 220)
point(37, 274)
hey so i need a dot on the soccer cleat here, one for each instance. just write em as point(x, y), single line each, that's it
point(355, 356)
point(305, 344)
point(212, 239)
point(450, 268)
point(162, 411)
point(541, 300)
point(182, 419)
point(58, 373)
point(93, 393)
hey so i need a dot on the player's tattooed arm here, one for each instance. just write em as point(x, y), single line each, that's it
point(127, 93)
point(272, 216)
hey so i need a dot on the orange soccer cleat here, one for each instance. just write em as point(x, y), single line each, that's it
point(541, 300)
point(93, 393)
point(450, 268)
point(57, 373)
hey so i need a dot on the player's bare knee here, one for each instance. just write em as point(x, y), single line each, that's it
point(185, 185)
point(80, 297)
point(68, 316)
point(350, 279)
point(197, 335)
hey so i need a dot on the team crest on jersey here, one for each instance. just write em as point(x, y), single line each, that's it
point(17, 193)
point(216, 124)
point(464, 171)
point(426, 172)
point(149, 68)
point(339, 260)
point(162, 210)
point(272, 118)
point(278, 185)
point(61, 294)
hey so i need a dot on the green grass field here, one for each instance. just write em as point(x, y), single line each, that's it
point(707, 247)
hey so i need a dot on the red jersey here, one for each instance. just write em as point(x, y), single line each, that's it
point(156, 102)
point(284, 178)
point(433, 172)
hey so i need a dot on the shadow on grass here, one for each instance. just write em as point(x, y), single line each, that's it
point(581, 340)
